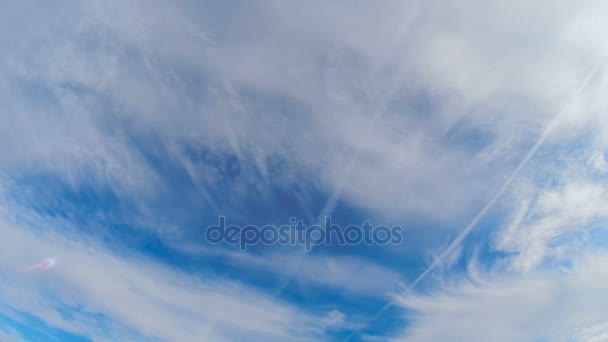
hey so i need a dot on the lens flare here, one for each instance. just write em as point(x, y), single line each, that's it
point(41, 266)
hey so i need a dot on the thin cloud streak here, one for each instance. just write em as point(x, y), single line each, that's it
point(467, 230)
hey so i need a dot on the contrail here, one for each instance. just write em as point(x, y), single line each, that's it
point(378, 110)
point(336, 194)
point(467, 230)
point(546, 132)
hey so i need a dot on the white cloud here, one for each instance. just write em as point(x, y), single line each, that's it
point(357, 276)
point(558, 219)
point(547, 285)
point(138, 295)
point(436, 101)
point(541, 305)
point(402, 96)
point(11, 335)
point(335, 319)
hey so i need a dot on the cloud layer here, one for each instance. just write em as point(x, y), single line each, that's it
point(129, 124)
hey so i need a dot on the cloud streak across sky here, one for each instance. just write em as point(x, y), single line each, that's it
point(129, 126)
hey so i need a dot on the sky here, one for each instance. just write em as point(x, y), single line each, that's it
point(129, 127)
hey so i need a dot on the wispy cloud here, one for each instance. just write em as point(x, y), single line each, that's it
point(545, 287)
point(133, 123)
point(538, 306)
point(142, 295)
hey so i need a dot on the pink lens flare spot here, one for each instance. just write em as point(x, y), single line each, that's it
point(42, 266)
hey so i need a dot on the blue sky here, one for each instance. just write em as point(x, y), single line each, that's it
point(129, 127)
